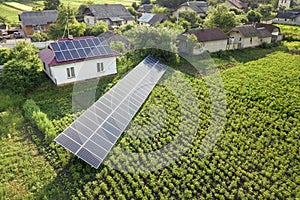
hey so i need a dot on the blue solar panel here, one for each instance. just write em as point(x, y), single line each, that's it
point(87, 51)
point(74, 54)
point(59, 56)
point(67, 55)
point(54, 46)
point(81, 53)
point(90, 42)
point(62, 46)
point(96, 41)
point(79, 49)
point(70, 45)
point(83, 43)
point(95, 132)
point(77, 44)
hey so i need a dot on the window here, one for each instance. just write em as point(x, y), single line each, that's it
point(250, 40)
point(240, 39)
point(71, 72)
point(100, 67)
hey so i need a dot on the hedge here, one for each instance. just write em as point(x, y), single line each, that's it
point(33, 113)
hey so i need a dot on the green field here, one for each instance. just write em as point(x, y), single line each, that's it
point(256, 155)
point(10, 13)
point(18, 6)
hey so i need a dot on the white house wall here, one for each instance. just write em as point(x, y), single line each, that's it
point(214, 46)
point(83, 70)
point(89, 20)
point(266, 40)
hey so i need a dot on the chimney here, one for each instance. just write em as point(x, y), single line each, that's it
point(70, 37)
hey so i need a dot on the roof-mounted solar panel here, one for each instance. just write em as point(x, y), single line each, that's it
point(94, 133)
point(79, 49)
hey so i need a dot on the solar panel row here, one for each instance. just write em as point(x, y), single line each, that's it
point(79, 49)
point(94, 133)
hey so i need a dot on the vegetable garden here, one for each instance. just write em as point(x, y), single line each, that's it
point(255, 157)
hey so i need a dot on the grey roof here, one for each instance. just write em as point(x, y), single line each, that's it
point(263, 33)
point(288, 15)
point(38, 17)
point(106, 11)
point(145, 18)
point(111, 36)
point(247, 30)
point(152, 18)
point(197, 6)
point(211, 34)
point(145, 8)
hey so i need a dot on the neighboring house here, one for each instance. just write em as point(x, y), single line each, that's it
point(145, 8)
point(111, 36)
point(212, 40)
point(200, 7)
point(291, 17)
point(70, 60)
point(238, 4)
point(284, 3)
point(150, 19)
point(274, 30)
point(37, 21)
point(114, 14)
point(248, 36)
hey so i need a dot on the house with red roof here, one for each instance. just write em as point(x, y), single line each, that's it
point(78, 59)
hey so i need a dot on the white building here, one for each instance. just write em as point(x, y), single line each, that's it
point(200, 7)
point(211, 40)
point(284, 3)
point(114, 15)
point(248, 36)
point(67, 61)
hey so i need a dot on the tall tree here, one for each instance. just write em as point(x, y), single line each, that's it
point(221, 17)
point(21, 73)
point(253, 16)
point(51, 4)
point(66, 20)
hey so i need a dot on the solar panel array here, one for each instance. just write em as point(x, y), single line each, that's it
point(79, 49)
point(94, 133)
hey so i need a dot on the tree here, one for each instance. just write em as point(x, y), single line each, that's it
point(22, 73)
point(191, 17)
point(265, 10)
point(222, 18)
point(4, 55)
point(66, 21)
point(51, 4)
point(253, 16)
point(160, 10)
point(3, 19)
point(154, 40)
point(97, 29)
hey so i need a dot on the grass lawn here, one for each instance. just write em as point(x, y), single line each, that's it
point(77, 3)
point(10, 13)
point(18, 6)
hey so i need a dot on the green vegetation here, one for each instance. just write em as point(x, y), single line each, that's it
point(290, 33)
point(18, 6)
point(248, 161)
point(10, 13)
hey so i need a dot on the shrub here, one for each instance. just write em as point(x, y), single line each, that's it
point(35, 116)
point(4, 55)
